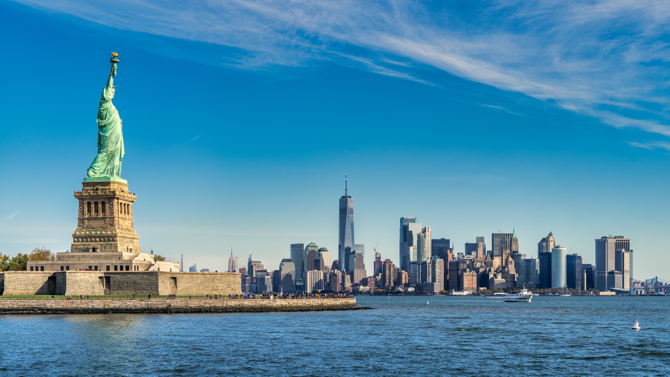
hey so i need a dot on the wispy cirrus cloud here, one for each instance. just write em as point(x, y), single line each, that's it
point(13, 215)
point(605, 59)
point(651, 145)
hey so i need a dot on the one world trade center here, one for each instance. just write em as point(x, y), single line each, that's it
point(346, 239)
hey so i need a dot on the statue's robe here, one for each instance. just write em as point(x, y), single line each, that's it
point(110, 140)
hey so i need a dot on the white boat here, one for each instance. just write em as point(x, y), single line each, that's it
point(459, 293)
point(523, 296)
point(636, 326)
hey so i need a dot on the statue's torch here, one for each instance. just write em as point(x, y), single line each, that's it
point(114, 60)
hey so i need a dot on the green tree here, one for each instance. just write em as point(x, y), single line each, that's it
point(41, 254)
point(159, 258)
point(17, 263)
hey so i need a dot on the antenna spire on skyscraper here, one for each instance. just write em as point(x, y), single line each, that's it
point(345, 183)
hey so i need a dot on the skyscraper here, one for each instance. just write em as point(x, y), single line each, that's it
point(456, 267)
point(409, 230)
point(359, 271)
point(325, 260)
point(614, 263)
point(232, 262)
point(574, 271)
point(426, 272)
point(357, 252)
point(529, 273)
point(501, 241)
point(589, 278)
point(286, 276)
point(545, 270)
point(438, 272)
point(558, 267)
point(298, 258)
point(481, 240)
point(253, 267)
point(544, 248)
point(314, 281)
point(346, 237)
point(546, 244)
point(311, 257)
point(424, 246)
point(378, 263)
point(514, 243)
point(389, 274)
point(470, 248)
point(624, 263)
point(440, 247)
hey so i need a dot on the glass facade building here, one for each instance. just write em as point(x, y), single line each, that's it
point(409, 230)
point(298, 258)
point(286, 276)
point(424, 252)
point(558, 267)
point(440, 247)
point(575, 273)
point(346, 235)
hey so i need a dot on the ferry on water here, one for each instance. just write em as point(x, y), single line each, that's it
point(459, 293)
point(523, 296)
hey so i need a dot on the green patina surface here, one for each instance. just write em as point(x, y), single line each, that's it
point(107, 163)
point(105, 179)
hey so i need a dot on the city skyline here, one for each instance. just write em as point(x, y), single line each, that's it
point(231, 187)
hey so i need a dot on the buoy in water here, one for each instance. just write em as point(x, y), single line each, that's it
point(636, 326)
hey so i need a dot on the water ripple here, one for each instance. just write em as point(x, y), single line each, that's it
point(403, 335)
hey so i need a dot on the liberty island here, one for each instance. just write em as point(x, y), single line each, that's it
point(105, 258)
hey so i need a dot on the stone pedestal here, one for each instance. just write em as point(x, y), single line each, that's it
point(105, 219)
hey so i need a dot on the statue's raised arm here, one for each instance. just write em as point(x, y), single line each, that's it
point(107, 163)
point(109, 91)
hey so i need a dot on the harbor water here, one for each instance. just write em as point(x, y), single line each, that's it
point(419, 335)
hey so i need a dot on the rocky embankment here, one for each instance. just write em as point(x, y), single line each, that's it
point(180, 305)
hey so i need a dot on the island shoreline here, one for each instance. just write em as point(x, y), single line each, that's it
point(173, 306)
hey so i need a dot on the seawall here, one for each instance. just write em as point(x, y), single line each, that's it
point(180, 305)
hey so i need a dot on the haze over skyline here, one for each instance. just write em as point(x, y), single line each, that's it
point(240, 119)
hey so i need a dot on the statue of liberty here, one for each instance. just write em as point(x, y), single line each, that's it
point(107, 164)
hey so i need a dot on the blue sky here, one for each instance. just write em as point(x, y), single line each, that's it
point(240, 119)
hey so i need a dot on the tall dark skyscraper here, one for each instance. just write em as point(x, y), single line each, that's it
point(574, 272)
point(346, 238)
point(501, 241)
point(440, 247)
